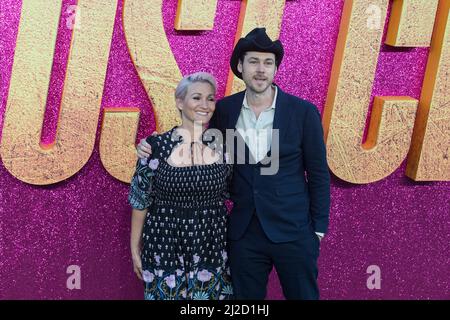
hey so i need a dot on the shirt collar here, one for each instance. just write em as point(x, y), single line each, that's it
point(272, 106)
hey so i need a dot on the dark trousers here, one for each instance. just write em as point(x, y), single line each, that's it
point(253, 256)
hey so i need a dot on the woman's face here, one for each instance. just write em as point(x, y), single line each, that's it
point(199, 103)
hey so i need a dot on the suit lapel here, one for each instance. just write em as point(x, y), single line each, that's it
point(235, 110)
point(282, 113)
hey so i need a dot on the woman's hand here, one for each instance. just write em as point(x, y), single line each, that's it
point(137, 263)
point(144, 150)
point(137, 224)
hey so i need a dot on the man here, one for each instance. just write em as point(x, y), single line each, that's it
point(277, 219)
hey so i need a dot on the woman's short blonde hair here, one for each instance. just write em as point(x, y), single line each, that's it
point(183, 85)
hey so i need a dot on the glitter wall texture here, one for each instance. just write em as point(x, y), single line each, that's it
point(401, 226)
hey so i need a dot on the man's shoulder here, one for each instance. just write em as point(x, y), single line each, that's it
point(294, 99)
point(297, 102)
point(230, 99)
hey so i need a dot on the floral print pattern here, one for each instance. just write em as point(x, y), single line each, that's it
point(184, 238)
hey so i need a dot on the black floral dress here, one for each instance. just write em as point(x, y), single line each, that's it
point(184, 237)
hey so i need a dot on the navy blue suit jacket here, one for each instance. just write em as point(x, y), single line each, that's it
point(295, 199)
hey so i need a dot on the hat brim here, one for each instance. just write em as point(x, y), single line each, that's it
point(244, 45)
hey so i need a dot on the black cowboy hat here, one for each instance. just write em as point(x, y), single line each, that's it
point(255, 40)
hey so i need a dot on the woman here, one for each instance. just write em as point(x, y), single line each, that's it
point(178, 231)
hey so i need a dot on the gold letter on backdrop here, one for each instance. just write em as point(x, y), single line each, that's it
point(411, 23)
point(256, 13)
point(153, 58)
point(430, 148)
point(118, 142)
point(346, 108)
point(151, 55)
point(158, 70)
point(195, 14)
point(23, 155)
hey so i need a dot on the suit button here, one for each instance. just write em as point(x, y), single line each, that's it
point(255, 191)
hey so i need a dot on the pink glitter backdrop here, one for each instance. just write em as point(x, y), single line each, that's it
point(397, 224)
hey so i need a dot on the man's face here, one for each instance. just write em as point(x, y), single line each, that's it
point(258, 70)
